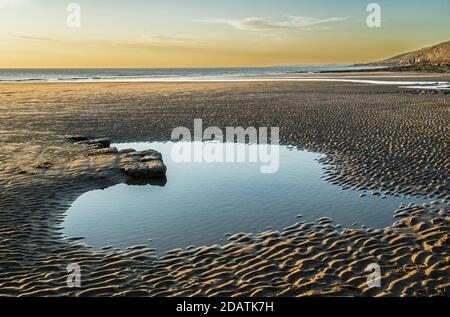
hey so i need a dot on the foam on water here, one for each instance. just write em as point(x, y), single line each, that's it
point(242, 74)
point(155, 74)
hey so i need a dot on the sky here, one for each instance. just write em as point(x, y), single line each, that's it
point(213, 33)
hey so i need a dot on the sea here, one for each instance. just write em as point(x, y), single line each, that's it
point(158, 74)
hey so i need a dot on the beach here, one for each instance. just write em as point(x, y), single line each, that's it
point(379, 138)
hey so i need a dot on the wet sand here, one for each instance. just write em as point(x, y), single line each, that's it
point(381, 138)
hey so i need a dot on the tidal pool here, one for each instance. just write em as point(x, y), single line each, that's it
point(200, 203)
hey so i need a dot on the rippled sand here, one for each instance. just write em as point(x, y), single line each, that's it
point(376, 137)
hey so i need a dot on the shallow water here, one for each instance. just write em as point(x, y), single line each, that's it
point(201, 202)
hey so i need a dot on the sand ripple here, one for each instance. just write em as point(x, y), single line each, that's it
point(376, 139)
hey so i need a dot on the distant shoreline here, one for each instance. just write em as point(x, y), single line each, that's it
point(414, 68)
point(156, 74)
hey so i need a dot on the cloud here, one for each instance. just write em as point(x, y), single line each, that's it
point(166, 41)
point(160, 43)
point(29, 36)
point(264, 24)
point(11, 4)
point(147, 42)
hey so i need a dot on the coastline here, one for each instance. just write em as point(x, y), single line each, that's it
point(123, 76)
point(438, 69)
point(356, 126)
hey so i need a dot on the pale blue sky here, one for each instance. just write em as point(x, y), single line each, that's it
point(215, 32)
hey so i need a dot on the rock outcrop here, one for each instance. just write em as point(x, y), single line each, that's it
point(437, 56)
point(143, 164)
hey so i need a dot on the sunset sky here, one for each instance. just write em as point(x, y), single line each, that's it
point(211, 33)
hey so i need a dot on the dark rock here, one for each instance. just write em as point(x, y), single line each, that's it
point(96, 143)
point(160, 181)
point(146, 164)
point(149, 158)
point(126, 151)
point(76, 138)
point(103, 151)
point(152, 153)
point(150, 169)
point(103, 142)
